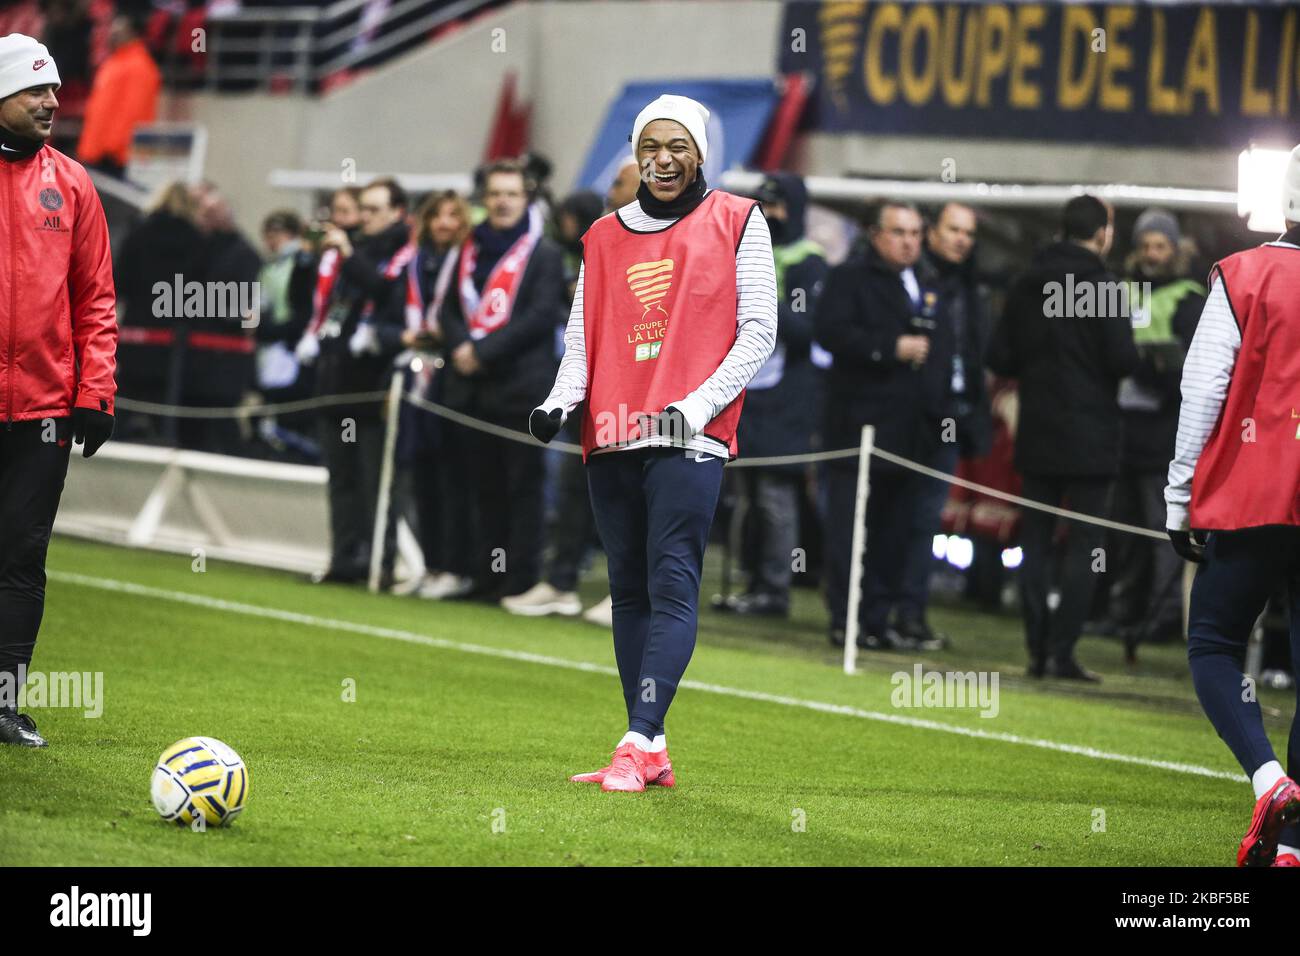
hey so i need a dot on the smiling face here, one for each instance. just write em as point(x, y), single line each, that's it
point(668, 158)
point(29, 113)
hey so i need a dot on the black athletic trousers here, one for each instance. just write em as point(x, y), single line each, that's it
point(33, 465)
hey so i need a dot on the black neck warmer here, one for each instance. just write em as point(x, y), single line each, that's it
point(688, 199)
point(13, 146)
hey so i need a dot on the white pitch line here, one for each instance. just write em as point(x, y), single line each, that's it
point(411, 637)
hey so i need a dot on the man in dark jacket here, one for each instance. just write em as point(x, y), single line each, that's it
point(165, 244)
point(357, 341)
point(893, 361)
point(499, 329)
point(214, 361)
point(1066, 336)
point(779, 407)
point(949, 255)
point(574, 527)
point(1146, 598)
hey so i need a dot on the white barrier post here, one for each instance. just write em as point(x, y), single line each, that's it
point(859, 547)
point(394, 409)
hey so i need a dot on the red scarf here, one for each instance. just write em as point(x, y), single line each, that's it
point(326, 272)
point(490, 309)
point(417, 316)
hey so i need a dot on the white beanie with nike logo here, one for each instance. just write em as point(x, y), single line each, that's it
point(24, 63)
point(692, 114)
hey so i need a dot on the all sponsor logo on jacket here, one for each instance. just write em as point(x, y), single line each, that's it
point(52, 201)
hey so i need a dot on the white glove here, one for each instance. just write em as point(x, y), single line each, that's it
point(307, 350)
point(364, 341)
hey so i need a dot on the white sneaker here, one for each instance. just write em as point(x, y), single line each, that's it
point(412, 584)
point(542, 599)
point(602, 613)
point(446, 585)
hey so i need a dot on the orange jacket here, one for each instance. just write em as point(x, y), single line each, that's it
point(124, 95)
point(58, 326)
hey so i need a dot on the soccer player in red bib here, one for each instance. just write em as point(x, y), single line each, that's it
point(675, 312)
point(1233, 502)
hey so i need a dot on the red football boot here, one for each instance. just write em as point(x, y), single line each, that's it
point(627, 771)
point(659, 771)
point(1287, 859)
point(1273, 811)
point(596, 776)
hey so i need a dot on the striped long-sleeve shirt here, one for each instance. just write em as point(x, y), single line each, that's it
point(755, 338)
point(1207, 372)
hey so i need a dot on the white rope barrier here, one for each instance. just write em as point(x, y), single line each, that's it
point(511, 434)
point(243, 411)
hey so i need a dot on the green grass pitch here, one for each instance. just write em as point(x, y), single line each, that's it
point(458, 746)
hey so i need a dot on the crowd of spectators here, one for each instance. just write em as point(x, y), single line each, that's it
point(467, 296)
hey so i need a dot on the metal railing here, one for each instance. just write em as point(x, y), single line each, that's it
point(296, 48)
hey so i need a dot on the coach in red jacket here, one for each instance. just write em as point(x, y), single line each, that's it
point(58, 336)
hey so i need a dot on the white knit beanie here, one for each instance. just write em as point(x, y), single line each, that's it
point(25, 63)
point(680, 109)
point(1291, 188)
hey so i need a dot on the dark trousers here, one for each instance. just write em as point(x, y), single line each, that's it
point(429, 489)
point(353, 454)
point(1148, 574)
point(771, 510)
point(894, 499)
point(1241, 570)
point(508, 485)
point(653, 509)
point(574, 526)
point(1051, 635)
point(927, 519)
point(32, 471)
point(458, 507)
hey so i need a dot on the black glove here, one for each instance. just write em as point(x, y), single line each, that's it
point(91, 428)
point(544, 426)
point(672, 425)
point(1188, 545)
